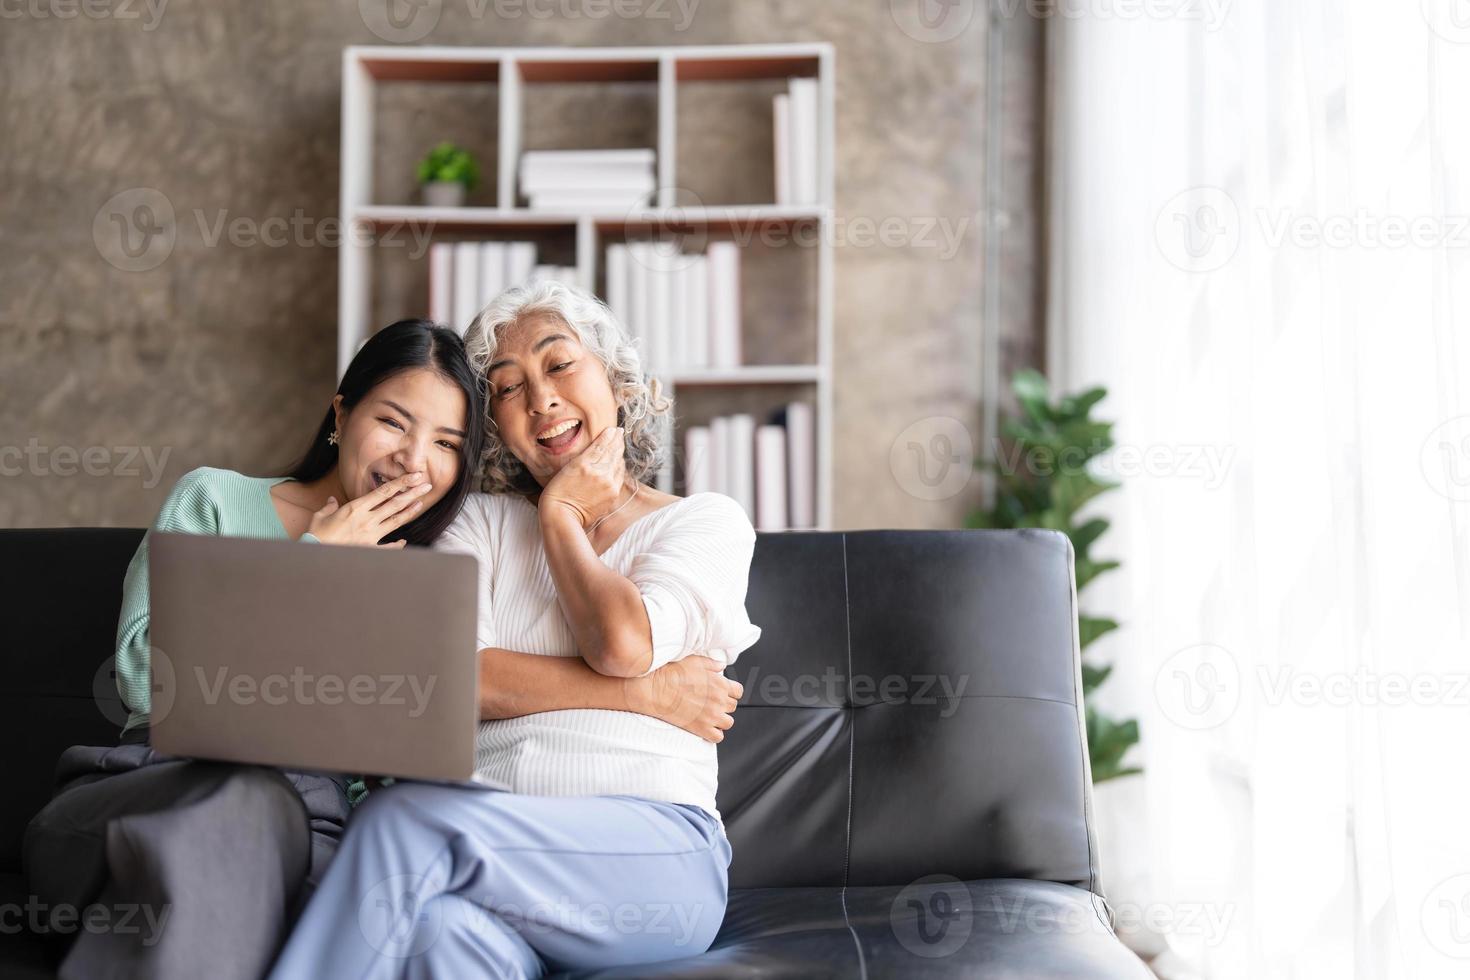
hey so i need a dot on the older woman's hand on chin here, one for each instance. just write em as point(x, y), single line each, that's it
point(592, 483)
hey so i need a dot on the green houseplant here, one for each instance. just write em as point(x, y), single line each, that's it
point(1042, 480)
point(446, 174)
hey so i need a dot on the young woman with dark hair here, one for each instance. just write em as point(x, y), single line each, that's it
point(215, 859)
point(357, 452)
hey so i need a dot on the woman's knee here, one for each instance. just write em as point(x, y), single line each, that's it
point(262, 785)
point(256, 799)
point(65, 848)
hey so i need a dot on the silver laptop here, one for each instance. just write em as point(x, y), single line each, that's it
point(314, 656)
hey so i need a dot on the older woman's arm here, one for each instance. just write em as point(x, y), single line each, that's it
point(604, 609)
point(692, 694)
point(514, 684)
point(683, 594)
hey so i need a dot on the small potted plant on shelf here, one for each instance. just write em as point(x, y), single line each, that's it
point(446, 174)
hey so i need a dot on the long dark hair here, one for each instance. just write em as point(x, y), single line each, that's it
point(398, 347)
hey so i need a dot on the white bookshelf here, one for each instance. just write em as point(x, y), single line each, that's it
point(513, 69)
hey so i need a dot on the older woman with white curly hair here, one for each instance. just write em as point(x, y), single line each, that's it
point(594, 839)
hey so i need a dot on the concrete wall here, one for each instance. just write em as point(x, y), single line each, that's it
point(121, 370)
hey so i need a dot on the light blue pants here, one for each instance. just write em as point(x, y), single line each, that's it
point(453, 881)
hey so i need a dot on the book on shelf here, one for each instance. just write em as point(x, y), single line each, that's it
point(769, 469)
point(591, 180)
point(441, 279)
point(466, 284)
point(795, 140)
point(465, 276)
point(696, 311)
point(781, 142)
point(587, 178)
point(656, 267)
point(697, 474)
point(588, 201)
point(493, 277)
point(683, 311)
point(719, 457)
point(676, 338)
point(724, 304)
point(740, 461)
point(801, 464)
point(770, 478)
point(520, 259)
point(616, 271)
point(635, 158)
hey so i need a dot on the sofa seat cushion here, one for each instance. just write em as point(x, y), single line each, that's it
point(996, 928)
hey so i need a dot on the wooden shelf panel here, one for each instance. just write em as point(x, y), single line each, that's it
point(748, 374)
point(425, 69)
point(743, 68)
point(587, 70)
point(744, 217)
point(691, 63)
point(380, 215)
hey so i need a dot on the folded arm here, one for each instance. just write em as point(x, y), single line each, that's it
point(692, 694)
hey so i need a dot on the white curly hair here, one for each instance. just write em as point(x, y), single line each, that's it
point(644, 412)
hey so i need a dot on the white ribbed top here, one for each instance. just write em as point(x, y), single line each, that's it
point(691, 561)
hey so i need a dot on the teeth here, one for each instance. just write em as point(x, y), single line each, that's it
point(557, 430)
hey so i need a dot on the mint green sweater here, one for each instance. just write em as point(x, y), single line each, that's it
point(204, 501)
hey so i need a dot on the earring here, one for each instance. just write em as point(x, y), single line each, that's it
point(333, 439)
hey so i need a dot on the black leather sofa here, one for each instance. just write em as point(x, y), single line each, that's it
point(881, 826)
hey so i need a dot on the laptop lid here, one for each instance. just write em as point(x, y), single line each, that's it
point(314, 656)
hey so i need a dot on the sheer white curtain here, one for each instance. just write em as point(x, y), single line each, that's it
point(1260, 241)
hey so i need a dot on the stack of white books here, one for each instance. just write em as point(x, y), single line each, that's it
point(465, 276)
point(587, 180)
point(770, 470)
point(795, 138)
point(683, 311)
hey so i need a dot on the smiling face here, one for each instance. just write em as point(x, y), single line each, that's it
point(543, 382)
point(415, 421)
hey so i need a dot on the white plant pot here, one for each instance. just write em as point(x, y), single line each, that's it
point(444, 194)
